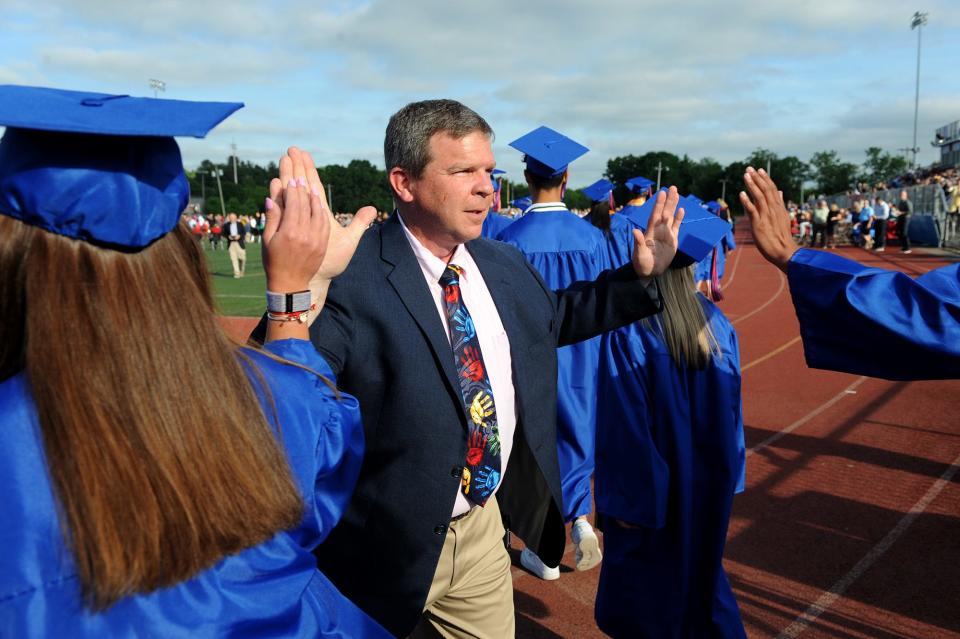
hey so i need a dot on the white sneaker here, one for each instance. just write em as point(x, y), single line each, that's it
point(530, 561)
point(588, 546)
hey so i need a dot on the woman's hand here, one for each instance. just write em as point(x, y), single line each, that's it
point(654, 250)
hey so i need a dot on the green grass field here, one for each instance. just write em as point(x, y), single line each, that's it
point(242, 297)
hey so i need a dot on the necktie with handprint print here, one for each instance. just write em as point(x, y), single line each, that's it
point(482, 472)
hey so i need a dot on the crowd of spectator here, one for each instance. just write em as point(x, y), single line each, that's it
point(869, 222)
point(943, 176)
point(209, 229)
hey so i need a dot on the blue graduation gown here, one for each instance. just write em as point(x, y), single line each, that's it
point(619, 241)
point(906, 328)
point(270, 590)
point(493, 224)
point(729, 243)
point(564, 249)
point(670, 456)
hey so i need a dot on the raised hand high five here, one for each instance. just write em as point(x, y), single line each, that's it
point(654, 250)
point(338, 243)
point(769, 220)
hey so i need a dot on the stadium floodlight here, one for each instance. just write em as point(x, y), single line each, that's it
point(919, 19)
point(157, 85)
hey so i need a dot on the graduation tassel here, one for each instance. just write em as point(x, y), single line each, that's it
point(715, 293)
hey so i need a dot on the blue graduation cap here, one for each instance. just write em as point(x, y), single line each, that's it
point(493, 178)
point(639, 184)
point(713, 206)
point(700, 230)
point(698, 201)
point(547, 152)
point(522, 202)
point(98, 167)
point(599, 190)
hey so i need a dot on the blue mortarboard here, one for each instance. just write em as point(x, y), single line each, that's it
point(639, 184)
point(521, 202)
point(700, 230)
point(713, 206)
point(98, 167)
point(599, 190)
point(694, 198)
point(493, 178)
point(548, 153)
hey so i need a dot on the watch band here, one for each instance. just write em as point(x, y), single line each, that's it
point(288, 302)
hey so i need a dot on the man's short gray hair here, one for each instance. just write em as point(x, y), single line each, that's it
point(407, 141)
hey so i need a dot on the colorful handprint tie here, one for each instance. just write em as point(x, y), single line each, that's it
point(482, 472)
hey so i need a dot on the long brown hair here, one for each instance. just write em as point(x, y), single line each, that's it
point(161, 457)
point(683, 324)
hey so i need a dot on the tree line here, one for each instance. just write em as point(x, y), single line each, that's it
point(360, 183)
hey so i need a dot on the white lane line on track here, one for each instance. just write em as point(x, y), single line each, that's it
point(733, 271)
point(847, 392)
point(783, 283)
point(827, 599)
point(772, 353)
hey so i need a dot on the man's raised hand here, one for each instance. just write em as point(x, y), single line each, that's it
point(769, 220)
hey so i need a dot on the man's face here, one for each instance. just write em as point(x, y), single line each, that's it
point(232, 217)
point(451, 199)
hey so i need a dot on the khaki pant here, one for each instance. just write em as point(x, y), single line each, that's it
point(472, 590)
point(238, 257)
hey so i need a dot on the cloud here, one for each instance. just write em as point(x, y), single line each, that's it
point(622, 76)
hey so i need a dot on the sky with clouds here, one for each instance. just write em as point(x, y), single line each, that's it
point(705, 78)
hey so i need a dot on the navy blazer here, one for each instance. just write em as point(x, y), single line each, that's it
point(382, 335)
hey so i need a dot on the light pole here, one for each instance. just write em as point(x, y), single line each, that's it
point(330, 197)
point(723, 195)
point(919, 19)
point(203, 185)
point(217, 171)
point(660, 169)
point(233, 150)
point(157, 85)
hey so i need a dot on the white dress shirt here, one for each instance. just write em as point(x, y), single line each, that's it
point(494, 343)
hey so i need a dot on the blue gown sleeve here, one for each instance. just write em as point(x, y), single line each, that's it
point(875, 322)
point(337, 452)
point(493, 225)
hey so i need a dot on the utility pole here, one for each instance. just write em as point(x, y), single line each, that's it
point(723, 181)
point(223, 207)
point(233, 149)
point(768, 168)
point(660, 169)
point(919, 19)
point(157, 85)
point(203, 185)
point(330, 197)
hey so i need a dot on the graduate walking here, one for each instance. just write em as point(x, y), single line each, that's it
point(564, 249)
point(669, 457)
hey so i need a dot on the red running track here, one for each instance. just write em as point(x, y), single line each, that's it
point(850, 523)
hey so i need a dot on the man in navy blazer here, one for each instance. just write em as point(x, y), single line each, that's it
point(403, 551)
